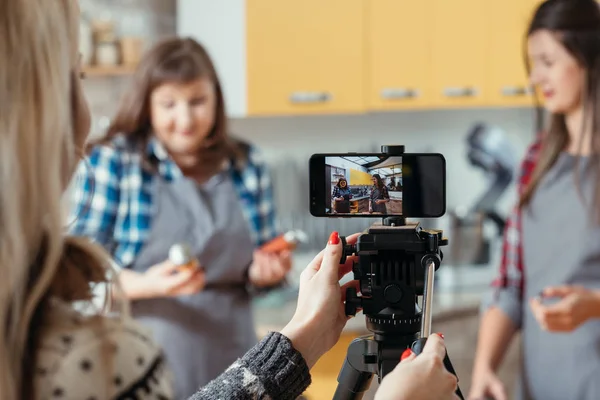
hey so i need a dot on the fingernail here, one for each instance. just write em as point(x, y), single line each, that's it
point(440, 335)
point(334, 238)
point(405, 354)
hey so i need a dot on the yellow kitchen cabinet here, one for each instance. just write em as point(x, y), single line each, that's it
point(354, 56)
point(398, 46)
point(358, 178)
point(459, 51)
point(508, 83)
point(282, 57)
point(305, 56)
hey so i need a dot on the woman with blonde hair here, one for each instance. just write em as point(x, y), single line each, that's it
point(43, 121)
point(49, 349)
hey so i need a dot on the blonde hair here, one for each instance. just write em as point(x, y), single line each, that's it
point(38, 51)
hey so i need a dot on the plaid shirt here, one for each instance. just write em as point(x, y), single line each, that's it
point(337, 192)
point(113, 198)
point(510, 282)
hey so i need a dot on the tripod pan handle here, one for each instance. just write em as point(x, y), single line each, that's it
point(417, 348)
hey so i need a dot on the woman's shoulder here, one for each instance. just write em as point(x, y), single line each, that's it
point(249, 152)
point(117, 150)
point(80, 357)
point(530, 160)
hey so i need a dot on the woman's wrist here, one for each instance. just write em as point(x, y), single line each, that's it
point(134, 286)
point(304, 342)
point(483, 364)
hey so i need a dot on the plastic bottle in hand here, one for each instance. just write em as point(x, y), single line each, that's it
point(288, 241)
point(180, 254)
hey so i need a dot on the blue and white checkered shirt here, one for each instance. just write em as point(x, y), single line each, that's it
point(113, 198)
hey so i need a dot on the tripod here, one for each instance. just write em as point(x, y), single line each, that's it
point(397, 263)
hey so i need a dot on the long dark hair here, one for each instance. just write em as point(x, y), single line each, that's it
point(576, 24)
point(379, 181)
point(172, 60)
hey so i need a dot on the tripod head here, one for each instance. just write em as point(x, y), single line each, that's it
point(392, 267)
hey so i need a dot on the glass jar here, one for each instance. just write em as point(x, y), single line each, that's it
point(107, 54)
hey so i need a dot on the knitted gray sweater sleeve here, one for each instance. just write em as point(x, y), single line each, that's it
point(271, 370)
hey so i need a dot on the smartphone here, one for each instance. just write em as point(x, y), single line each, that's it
point(377, 185)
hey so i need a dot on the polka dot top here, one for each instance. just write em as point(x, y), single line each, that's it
point(97, 358)
point(100, 358)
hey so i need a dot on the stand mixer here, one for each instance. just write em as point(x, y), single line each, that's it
point(489, 150)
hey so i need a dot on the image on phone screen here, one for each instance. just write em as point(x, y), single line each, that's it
point(410, 185)
point(364, 185)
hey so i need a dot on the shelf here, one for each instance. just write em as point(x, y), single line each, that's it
point(101, 71)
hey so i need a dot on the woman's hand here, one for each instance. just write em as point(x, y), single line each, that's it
point(319, 319)
point(485, 384)
point(576, 305)
point(162, 280)
point(268, 269)
point(422, 377)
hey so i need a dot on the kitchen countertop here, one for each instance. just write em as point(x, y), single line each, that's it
point(393, 195)
point(457, 293)
point(359, 198)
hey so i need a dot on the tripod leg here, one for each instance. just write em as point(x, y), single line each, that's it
point(357, 371)
point(352, 384)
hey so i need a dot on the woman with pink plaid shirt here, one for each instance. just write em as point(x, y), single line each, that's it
point(549, 282)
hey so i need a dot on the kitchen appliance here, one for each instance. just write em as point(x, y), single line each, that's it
point(490, 151)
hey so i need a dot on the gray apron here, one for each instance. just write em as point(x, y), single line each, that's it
point(560, 246)
point(201, 334)
point(343, 206)
point(377, 194)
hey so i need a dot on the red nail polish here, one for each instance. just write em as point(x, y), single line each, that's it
point(334, 238)
point(440, 335)
point(405, 354)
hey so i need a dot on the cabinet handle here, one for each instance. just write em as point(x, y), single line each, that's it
point(399, 93)
point(514, 91)
point(310, 97)
point(460, 92)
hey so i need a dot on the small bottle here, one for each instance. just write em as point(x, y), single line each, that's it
point(107, 53)
point(288, 241)
point(180, 254)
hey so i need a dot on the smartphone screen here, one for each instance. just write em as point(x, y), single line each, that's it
point(377, 185)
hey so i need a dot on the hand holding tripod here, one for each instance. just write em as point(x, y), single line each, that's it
point(397, 263)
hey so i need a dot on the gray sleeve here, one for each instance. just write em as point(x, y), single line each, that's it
point(272, 369)
point(508, 300)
